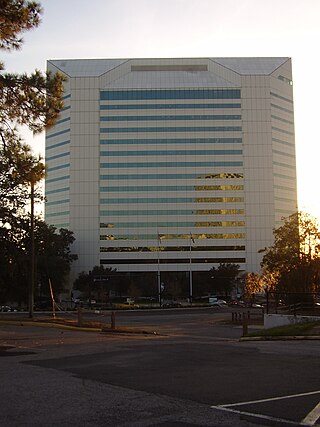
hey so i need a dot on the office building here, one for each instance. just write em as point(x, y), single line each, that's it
point(172, 164)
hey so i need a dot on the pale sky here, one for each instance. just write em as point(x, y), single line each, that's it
point(192, 28)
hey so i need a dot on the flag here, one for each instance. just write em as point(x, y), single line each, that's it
point(192, 239)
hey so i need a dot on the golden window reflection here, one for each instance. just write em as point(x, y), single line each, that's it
point(174, 236)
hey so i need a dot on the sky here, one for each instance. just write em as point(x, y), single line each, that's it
point(192, 28)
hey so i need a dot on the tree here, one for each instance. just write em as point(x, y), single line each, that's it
point(295, 255)
point(224, 278)
point(252, 285)
point(54, 255)
point(99, 280)
point(33, 100)
point(52, 262)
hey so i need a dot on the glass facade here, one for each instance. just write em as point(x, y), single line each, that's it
point(171, 158)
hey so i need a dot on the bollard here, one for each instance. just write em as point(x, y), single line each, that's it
point(113, 321)
point(248, 315)
point(79, 316)
point(244, 326)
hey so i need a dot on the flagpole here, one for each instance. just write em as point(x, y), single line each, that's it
point(190, 268)
point(158, 273)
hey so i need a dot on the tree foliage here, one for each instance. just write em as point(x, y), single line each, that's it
point(15, 18)
point(252, 285)
point(32, 100)
point(224, 278)
point(53, 258)
point(294, 256)
point(100, 280)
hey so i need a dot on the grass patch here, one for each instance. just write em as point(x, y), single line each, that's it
point(306, 328)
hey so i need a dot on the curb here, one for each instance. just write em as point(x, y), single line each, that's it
point(49, 325)
point(105, 330)
point(131, 332)
point(282, 338)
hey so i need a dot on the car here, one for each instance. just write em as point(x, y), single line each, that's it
point(256, 305)
point(124, 306)
point(236, 303)
point(171, 304)
point(5, 308)
point(219, 303)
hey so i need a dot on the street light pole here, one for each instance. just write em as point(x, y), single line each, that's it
point(158, 272)
point(190, 268)
point(32, 253)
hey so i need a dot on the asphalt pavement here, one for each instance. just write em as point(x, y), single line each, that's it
point(194, 372)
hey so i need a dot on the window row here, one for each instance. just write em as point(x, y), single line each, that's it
point(285, 165)
point(57, 214)
point(172, 212)
point(279, 175)
point(159, 165)
point(172, 129)
point(60, 178)
point(172, 141)
point(171, 188)
point(116, 95)
point(282, 153)
point(57, 133)
point(281, 108)
point(281, 119)
point(205, 261)
point(58, 190)
point(174, 236)
point(127, 153)
point(150, 200)
point(171, 117)
point(280, 141)
point(59, 144)
point(57, 202)
point(173, 248)
point(57, 156)
point(158, 176)
point(281, 97)
point(166, 106)
point(280, 187)
point(54, 168)
point(175, 224)
point(63, 121)
point(282, 130)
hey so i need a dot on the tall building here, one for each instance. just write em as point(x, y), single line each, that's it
point(172, 164)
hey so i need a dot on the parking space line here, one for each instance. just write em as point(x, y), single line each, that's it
point(309, 420)
point(260, 416)
point(268, 400)
point(312, 417)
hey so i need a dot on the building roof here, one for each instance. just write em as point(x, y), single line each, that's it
point(242, 66)
point(168, 79)
point(249, 66)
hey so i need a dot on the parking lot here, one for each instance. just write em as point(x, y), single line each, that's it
point(194, 372)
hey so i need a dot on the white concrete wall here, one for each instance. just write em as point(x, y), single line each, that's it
point(274, 320)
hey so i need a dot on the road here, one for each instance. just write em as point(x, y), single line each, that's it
point(195, 372)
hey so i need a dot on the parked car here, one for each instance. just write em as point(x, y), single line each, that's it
point(171, 304)
point(6, 308)
point(219, 303)
point(237, 303)
point(124, 306)
point(256, 305)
